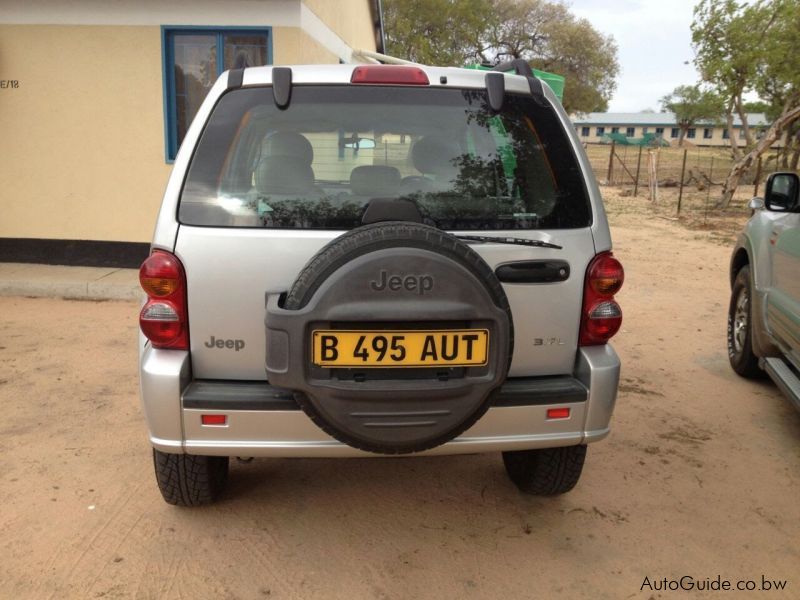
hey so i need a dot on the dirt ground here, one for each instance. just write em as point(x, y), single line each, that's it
point(700, 476)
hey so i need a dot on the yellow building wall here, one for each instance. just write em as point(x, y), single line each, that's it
point(351, 20)
point(82, 141)
point(292, 46)
point(82, 150)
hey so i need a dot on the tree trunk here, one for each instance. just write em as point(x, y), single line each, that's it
point(783, 153)
point(740, 167)
point(793, 163)
point(737, 154)
point(682, 135)
point(748, 135)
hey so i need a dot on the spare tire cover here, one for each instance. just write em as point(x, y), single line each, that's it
point(391, 276)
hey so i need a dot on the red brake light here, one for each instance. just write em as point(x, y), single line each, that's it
point(389, 75)
point(159, 275)
point(163, 319)
point(606, 275)
point(601, 316)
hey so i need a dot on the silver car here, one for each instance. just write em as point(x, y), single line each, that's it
point(764, 313)
point(378, 260)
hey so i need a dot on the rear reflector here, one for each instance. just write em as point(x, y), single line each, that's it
point(389, 75)
point(558, 413)
point(214, 419)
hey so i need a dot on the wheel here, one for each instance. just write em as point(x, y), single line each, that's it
point(188, 480)
point(395, 277)
point(740, 349)
point(545, 472)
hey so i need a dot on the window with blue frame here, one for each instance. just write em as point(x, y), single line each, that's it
point(193, 59)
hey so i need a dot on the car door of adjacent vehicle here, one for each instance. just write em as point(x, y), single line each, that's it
point(783, 300)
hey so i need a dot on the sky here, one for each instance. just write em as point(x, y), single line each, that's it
point(654, 43)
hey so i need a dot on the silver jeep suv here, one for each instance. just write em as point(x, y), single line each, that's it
point(378, 260)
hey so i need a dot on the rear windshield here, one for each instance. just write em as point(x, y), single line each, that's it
point(339, 153)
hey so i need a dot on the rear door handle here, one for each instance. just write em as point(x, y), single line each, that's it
point(533, 271)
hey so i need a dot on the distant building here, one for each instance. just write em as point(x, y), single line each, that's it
point(591, 127)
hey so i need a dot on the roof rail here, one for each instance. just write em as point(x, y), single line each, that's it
point(518, 65)
point(368, 56)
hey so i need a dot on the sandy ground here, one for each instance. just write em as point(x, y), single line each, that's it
point(700, 477)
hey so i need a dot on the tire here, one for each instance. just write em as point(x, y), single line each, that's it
point(188, 480)
point(396, 235)
point(740, 327)
point(547, 471)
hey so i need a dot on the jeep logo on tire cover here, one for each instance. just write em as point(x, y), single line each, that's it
point(418, 283)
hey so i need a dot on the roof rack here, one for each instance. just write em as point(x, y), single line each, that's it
point(369, 57)
point(518, 65)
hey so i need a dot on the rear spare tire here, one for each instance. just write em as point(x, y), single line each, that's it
point(408, 280)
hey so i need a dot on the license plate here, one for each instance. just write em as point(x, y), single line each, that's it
point(393, 349)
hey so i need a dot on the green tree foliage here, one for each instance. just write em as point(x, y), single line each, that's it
point(757, 106)
point(436, 32)
point(691, 104)
point(546, 34)
point(723, 33)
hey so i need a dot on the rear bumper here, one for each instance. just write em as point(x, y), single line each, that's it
point(265, 421)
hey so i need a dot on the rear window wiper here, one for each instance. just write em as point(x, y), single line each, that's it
point(485, 239)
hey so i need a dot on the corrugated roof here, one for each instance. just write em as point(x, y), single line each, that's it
point(666, 119)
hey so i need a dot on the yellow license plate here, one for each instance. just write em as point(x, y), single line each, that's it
point(450, 348)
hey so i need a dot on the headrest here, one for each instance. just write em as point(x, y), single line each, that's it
point(433, 154)
point(377, 180)
point(285, 143)
point(283, 175)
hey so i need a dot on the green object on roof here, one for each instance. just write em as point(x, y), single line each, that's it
point(556, 82)
point(648, 139)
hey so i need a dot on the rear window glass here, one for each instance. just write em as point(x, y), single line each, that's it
point(336, 150)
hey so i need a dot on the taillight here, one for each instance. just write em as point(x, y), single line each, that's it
point(601, 317)
point(164, 320)
point(389, 75)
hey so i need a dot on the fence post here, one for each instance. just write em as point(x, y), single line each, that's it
point(758, 176)
point(683, 171)
point(611, 163)
point(708, 190)
point(638, 164)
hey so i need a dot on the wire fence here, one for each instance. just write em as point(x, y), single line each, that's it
point(665, 171)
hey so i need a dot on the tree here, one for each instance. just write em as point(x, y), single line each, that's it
point(436, 32)
point(692, 104)
point(758, 106)
point(544, 33)
point(727, 38)
point(587, 59)
point(751, 46)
